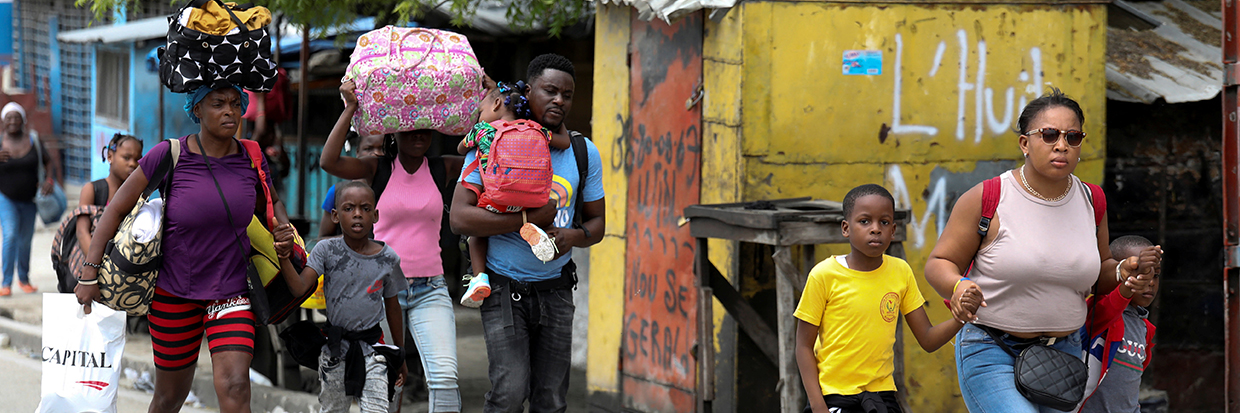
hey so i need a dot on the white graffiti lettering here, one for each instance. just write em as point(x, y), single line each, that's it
point(936, 204)
point(986, 120)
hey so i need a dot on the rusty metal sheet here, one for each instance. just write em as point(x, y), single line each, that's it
point(1177, 61)
point(660, 312)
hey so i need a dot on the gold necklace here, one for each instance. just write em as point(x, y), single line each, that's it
point(1039, 195)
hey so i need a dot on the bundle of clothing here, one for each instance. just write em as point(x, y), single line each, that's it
point(214, 44)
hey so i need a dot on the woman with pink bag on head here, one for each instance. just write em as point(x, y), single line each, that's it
point(412, 214)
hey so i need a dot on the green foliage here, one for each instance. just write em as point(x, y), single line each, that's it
point(554, 15)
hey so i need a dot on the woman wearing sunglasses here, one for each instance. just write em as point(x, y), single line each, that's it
point(1041, 256)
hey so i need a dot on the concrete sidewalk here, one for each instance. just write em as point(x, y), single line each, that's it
point(21, 320)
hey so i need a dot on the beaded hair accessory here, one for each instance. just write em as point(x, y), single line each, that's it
point(114, 144)
point(514, 98)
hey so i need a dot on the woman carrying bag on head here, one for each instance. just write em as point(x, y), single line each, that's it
point(413, 210)
point(1035, 258)
point(202, 280)
point(20, 165)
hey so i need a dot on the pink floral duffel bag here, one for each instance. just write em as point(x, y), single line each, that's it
point(415, 78)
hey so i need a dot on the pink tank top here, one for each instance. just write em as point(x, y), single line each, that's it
point(409, 216)
point(1036, 273)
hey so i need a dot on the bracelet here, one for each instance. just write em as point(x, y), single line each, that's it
point(91, 281)
point(93, 265)
point(1118, 277)
point(958, 283)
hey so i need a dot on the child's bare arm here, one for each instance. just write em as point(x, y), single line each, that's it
point(461, 148)
point(931, 338)
point(298, 283)
point(308, 279)
point(807, 364)
point(395, 319)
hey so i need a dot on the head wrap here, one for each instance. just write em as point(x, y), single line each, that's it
point(197, 95)
point(13, 107)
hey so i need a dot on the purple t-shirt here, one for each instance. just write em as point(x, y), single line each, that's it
point(201, 257)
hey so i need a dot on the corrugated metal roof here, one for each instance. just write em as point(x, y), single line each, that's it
point(135, 30)
point(1178, 61)
point(669, 10)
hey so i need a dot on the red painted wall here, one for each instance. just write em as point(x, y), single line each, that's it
point(658, 369)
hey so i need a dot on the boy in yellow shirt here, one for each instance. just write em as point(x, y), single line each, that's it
point(847, 315)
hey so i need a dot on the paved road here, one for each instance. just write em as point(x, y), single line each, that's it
point(20, 391)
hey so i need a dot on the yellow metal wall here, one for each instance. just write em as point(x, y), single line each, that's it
point(607, 258)
point(780, 120)
point(808, 130)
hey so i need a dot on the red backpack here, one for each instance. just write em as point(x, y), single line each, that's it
point(518, 172)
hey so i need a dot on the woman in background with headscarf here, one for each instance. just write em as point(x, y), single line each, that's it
point(19, 165)
point(201, 288)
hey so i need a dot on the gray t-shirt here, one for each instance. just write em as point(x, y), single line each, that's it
point(1119, 390)
point(355, 285)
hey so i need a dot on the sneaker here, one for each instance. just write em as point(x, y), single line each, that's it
point(542, 245)
point(479, 289)
point(5, 291)
point(27, 288)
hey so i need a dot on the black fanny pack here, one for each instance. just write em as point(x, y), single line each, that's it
point(1045, 376)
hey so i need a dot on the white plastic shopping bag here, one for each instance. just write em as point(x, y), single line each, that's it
point(81, 356)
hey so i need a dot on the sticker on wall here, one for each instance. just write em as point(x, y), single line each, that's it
point(863, 62)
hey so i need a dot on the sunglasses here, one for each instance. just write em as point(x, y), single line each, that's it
point(1051, 136)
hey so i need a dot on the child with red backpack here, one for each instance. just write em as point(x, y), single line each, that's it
point(73, 238)
point(515, 161)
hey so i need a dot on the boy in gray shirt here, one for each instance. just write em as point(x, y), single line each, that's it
point(360, 280)
point(1119, 335)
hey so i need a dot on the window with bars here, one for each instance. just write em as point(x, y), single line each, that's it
point(112, 86)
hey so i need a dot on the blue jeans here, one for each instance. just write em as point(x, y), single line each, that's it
point(17, 223)
point(987, 381)
point(432, 324)
point(529, 342)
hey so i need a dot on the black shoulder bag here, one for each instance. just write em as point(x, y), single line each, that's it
point(1046, 376)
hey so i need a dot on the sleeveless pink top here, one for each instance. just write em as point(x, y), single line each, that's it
point(409, 216)
point(1044, 260)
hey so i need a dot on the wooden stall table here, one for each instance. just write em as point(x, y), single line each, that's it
point(784, 224)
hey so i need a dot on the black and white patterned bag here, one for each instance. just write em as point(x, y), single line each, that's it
point(193, 59)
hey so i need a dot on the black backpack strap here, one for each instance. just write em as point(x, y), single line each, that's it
point(578, 142)
point(440, 176)
point(383, 172)
point(101, 192)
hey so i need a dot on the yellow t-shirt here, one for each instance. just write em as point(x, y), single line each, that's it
point(856, 315)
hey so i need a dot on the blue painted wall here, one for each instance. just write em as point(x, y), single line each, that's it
point(6, 32)
point(144, 108)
